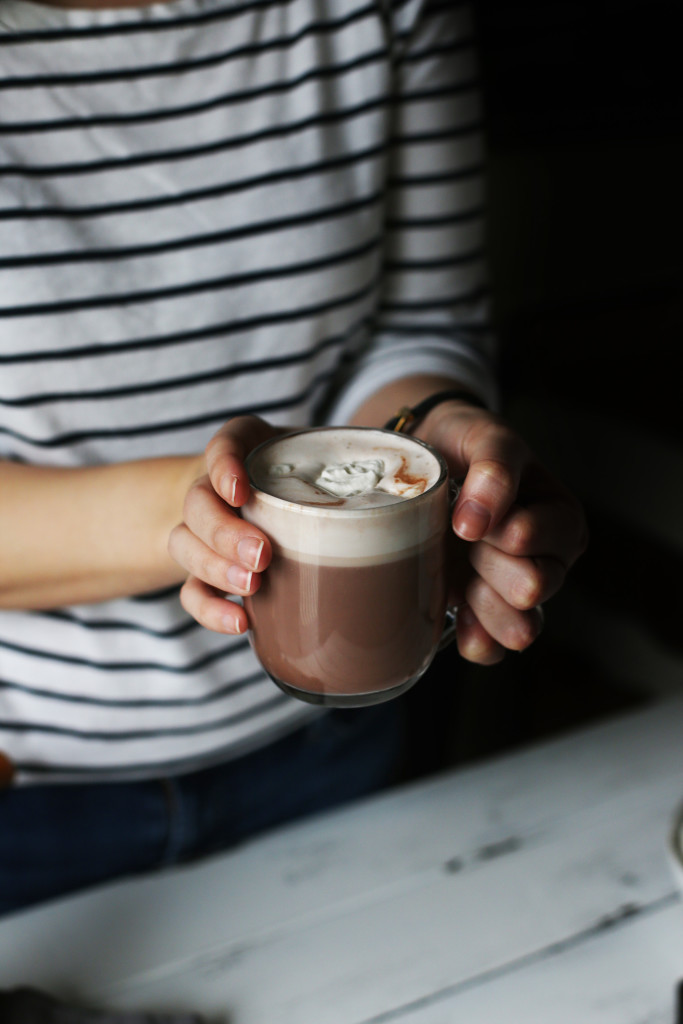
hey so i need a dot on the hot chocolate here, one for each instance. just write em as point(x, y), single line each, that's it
point(352, 607)
point(344, 467)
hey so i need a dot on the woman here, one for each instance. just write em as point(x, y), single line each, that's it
point(219, 219)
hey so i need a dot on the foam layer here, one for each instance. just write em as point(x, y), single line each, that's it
point(344, 468)
point(347, 495)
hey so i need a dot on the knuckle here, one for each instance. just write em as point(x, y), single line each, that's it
point(519, 535)
point(205, 613)
point(223, 538)
point(476, 592)
point(504, 436)
point(521, 633)
point(196, 603)
point(475, 648)
point(192, 501)
point(528, 588)
point(206, 569)
point(496, 475)
point(226, 441)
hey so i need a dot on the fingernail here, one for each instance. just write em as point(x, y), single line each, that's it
point(228, 488)
point(249, 551)
point(472, 520)
point(239, 577)
point(232, 624)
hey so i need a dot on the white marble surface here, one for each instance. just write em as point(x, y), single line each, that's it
point(532, 889)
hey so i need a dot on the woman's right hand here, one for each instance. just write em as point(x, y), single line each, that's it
point(221, 552)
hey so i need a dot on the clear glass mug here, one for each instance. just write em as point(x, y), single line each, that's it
point(352, 608)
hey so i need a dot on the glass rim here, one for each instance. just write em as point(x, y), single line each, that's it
point(374, 510)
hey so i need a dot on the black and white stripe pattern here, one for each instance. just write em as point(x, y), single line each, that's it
point(211, 207)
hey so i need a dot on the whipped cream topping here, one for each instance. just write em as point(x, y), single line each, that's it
point(340, 481)
point(343, 467)
point(351, 478)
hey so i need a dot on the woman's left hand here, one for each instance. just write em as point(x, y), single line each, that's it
point(524, 530)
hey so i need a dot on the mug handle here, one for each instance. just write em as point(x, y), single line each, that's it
point(449, 630)
point(451, 625)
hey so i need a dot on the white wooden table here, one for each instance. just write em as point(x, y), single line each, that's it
point(533, 889)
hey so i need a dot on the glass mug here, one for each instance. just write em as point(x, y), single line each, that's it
point(352, 608)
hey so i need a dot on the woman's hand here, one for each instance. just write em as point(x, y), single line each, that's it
point(222, 553)
point(524, 530)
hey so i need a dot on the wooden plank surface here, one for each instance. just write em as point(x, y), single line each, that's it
point(543, 869)
point(625, 974)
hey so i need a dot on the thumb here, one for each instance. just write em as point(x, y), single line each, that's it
point(495, 458)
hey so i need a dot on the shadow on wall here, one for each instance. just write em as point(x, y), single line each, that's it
point(585, 148)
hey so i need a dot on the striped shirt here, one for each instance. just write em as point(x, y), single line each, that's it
point(209, 207)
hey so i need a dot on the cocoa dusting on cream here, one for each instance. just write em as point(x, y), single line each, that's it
point(403, 477)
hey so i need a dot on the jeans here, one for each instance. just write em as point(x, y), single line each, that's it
point(60, 838)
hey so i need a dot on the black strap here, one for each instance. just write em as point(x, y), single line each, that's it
point(407, 416)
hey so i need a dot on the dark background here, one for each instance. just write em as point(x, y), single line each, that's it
point(584, 111)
